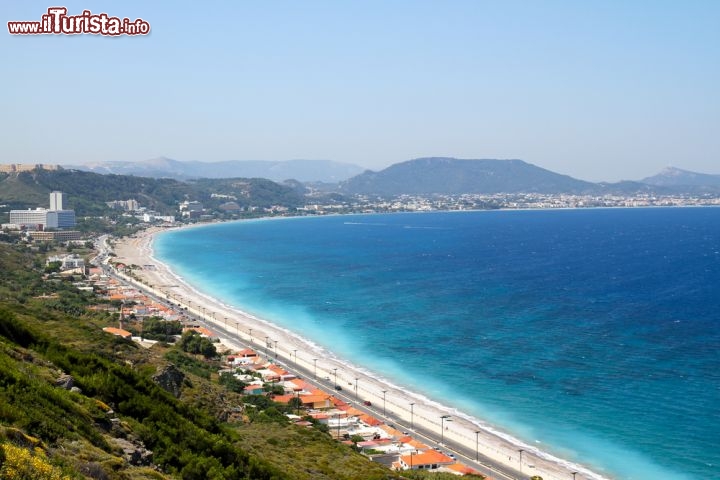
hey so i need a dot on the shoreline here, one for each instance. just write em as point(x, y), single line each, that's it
point(363, 384)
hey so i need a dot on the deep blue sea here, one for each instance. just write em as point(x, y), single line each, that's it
point(593, 332)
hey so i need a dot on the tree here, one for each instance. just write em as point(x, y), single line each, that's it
point(232, 383)
point(53, 267)
point(193, 342)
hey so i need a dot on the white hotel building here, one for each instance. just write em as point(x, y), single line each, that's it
point(43, 219)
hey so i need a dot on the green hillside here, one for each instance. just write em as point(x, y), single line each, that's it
point(120, 424)
point(87, 192)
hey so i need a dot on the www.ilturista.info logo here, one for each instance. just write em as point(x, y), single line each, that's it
point(58, 22)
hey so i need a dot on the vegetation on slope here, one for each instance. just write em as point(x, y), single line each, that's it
point(115, 406)
point(87, 192)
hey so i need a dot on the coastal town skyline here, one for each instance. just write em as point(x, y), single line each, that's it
point(602, 92)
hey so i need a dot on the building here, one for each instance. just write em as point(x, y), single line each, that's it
point(43, 219)
point(427, 460)
point(130, 205)
point(27, 167)
point(191, 208)
point(56, 201)
point(67, 262)
point(56, 235)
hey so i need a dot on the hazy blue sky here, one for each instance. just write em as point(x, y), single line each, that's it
point(600, 90)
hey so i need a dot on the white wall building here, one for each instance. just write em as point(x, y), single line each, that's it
point(56, 200)
point(41, 218)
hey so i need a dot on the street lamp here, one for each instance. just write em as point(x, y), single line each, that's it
point(356, 395)
point(335, 370)
point(384, 391)
point(276, 348)
point(442, 427)
point(573, 474)
point(295, 352)
point(251, 337)
point(477, 443)
point(521, 452)
point(315, 371)
point(225, 323)
point(267, 340)
point(412, 415)
point(237, 328)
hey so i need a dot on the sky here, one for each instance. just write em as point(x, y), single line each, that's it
point(599, 90)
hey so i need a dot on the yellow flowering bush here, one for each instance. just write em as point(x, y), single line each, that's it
point(22, 464)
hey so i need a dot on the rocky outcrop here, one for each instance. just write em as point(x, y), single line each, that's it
point(134, 453)
point(65, 381)
point(170, 379)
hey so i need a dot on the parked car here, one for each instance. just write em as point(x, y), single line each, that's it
point(367, 403)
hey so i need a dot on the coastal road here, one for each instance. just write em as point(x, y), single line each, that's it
point(466, 455)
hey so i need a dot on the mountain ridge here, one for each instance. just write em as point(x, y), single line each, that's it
point(277, 171)
point(677, 177)
point(447, 175)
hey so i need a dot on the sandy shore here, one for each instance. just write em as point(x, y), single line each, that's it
point(291, 347)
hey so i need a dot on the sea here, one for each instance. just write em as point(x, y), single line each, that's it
point(593, 334)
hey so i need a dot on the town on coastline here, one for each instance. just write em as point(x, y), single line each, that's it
point(58, 224)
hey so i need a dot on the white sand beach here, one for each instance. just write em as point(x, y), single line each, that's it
point(527, 459)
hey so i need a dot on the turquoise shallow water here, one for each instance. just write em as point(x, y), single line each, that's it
point(593, 333)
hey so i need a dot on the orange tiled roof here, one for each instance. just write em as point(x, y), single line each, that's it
point(299, 384)
point(117, 331)
point(277, 369)
point(283, 398)
point(200, 330)
point(417, 445)
point(372, 421)
point(428, 457)
point(313, 398)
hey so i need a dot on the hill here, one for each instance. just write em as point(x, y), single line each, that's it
point(278, 171)
point(87, 192)
point(440, 175)
point(676, 177)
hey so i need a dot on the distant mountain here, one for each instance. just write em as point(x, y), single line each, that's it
point(675, 177)
point(441, 175)
point(278, 171)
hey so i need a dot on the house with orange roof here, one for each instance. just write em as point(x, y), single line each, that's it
point(392, 432)
point(417, 445)
point(299, 385)
point(254, 390)
point(118, 331)
point(427, 460)
point(319, 402)
point(201, 330)
point(370, 420)
point(284, 374)
point(246, 352)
